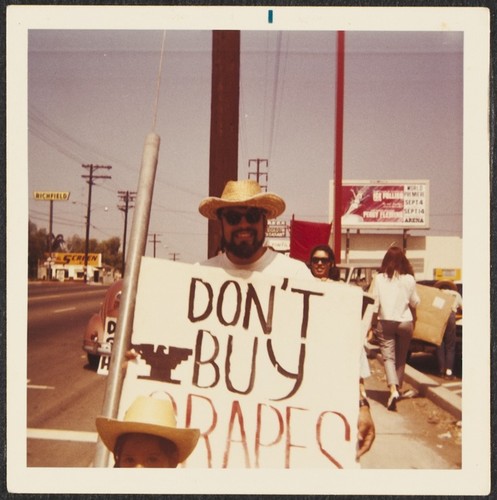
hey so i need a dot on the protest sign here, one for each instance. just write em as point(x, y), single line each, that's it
point(266, 367)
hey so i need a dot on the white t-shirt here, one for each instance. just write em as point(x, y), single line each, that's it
point(394, 295)
point(458, 299)
point(271, 262)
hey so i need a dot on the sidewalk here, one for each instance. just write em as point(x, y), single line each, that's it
point(427, 387)
point(424, 433)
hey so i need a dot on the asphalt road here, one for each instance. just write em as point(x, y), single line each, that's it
point(64, 394)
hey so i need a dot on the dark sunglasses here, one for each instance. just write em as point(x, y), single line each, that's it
point(233, 217)
point(317, 260)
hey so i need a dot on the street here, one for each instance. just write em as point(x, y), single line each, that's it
point(64, 394)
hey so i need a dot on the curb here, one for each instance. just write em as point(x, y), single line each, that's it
point(426, 386)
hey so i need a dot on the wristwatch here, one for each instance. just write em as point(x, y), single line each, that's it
point(363, 402)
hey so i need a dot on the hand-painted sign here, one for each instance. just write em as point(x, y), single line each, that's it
point(266, 367)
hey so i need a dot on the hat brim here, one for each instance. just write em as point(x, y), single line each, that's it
point(110, 429)
point(273, 205)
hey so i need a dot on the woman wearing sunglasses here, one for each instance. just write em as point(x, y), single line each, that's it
point(322, 263)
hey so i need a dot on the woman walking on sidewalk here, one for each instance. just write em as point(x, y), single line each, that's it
point(394, 290)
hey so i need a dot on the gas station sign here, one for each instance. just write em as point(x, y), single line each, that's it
point(51, 195)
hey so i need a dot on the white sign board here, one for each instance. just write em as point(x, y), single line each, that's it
point(266, 367)
point(109, 331)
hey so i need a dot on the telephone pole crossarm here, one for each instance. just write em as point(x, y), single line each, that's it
point(259, 174)
point(154, 241)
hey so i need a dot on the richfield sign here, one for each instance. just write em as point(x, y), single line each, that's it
point(384, 204)
point(266, 367)
point(51, 195)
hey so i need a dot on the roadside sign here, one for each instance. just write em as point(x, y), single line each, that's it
point(384, 204)
point(51, 195)
point(110, 330)
point(447, 274)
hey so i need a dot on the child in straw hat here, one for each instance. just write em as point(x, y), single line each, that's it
point(147, 436)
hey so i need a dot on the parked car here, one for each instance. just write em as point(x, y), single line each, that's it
point(358, 273)
point(99, 333)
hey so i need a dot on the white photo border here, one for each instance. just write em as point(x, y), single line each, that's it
point(474, 476)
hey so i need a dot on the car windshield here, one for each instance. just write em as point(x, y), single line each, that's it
point(343, 273)
point(361, 275)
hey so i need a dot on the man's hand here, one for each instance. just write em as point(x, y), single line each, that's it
point(365, 431)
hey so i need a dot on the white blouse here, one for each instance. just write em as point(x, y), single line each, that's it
point(393, 296)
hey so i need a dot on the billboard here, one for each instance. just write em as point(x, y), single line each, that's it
point(392, 204)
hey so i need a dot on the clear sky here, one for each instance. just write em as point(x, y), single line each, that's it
point(92, 96)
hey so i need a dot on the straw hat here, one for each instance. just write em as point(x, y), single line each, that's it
point(149, 415)
point(246, 193)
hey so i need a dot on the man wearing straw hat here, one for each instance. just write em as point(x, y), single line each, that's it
point(242, 212)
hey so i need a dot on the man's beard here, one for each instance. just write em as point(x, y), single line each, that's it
point(243, 250)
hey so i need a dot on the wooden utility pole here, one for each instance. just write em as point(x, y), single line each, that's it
point(155, 241)
point(127, 197)
point(224, 120)
point(91, 177)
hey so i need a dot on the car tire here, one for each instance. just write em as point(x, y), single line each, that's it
point(93, 360)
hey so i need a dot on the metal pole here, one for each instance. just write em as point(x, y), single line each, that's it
point(337, 217)
point(50, 241)
point(125, 229)
point(137, 244)
point(347, 246)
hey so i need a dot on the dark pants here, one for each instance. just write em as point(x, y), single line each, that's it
point(447, 350)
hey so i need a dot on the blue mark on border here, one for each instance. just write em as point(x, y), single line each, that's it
point(269, 16)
